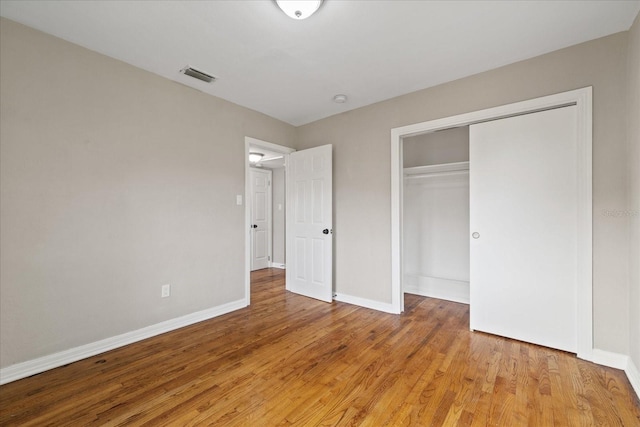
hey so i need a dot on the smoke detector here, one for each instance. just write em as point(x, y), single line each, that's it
point(340, 99)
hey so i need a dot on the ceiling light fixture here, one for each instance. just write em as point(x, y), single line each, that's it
point(299, 9)
point(255, 157)
point(340, 99)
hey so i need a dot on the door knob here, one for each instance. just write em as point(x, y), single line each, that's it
point(254, 226)
point(325, 231)
point(475, 235)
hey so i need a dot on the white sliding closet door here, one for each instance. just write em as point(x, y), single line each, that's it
point(523, 207)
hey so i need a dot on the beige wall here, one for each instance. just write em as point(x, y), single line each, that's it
point(278, 216)
point(112, 185)
point(361, 140)
point(633, 126)
point(447, 146)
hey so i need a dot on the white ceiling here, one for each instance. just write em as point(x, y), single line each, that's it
point(290, 70)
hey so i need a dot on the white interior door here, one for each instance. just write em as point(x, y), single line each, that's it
point(309, 223)
point(260, 218)
point(524, 221)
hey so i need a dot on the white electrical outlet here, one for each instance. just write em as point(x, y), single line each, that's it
point(166, 291)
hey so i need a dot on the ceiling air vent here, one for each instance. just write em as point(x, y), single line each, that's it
point(197, 74)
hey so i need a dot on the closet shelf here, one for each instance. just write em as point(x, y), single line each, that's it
point(436, 170)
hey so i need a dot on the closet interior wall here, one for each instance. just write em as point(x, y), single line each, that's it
point(436, 215)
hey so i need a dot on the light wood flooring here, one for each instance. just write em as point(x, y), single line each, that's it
point(290, 360)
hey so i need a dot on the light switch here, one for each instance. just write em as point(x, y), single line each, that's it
point(239, 199)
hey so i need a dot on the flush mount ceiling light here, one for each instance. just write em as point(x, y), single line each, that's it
point(255, 157)
point(299, 9)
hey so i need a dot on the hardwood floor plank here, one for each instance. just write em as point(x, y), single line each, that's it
point(290, 360)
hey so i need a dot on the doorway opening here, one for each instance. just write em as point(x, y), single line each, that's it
point(265, 219)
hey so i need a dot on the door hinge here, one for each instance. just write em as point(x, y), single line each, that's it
point(268, 258)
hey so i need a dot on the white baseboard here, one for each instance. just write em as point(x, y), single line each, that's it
point(434, 287)
point(634, 376)
point(41, 364)
point(367, 303)
point(610, 359)
point(619, 361)
point(277, 265)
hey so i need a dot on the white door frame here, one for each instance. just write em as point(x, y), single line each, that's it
point(582, 99)
point(253, 142)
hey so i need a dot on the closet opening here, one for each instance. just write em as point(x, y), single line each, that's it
point(436, 214)
point(504, 173)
